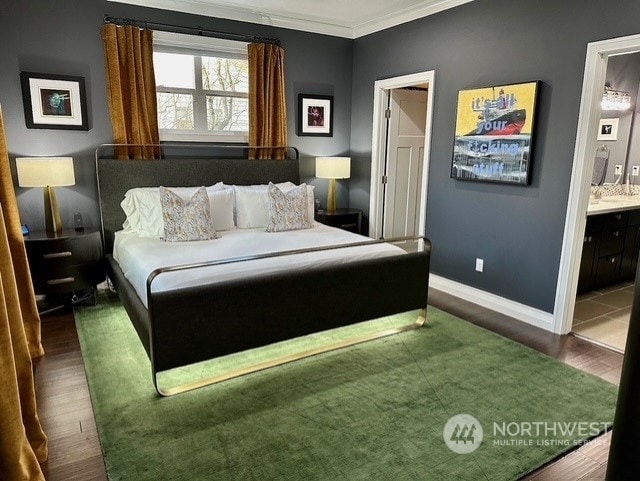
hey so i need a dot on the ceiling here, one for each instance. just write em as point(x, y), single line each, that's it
point(341, 18)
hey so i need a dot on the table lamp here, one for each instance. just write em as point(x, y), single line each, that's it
point(47, 172)
point(333, 168)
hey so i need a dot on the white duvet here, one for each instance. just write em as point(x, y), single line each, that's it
point(139, 256)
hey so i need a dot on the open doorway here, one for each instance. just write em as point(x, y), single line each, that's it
point(400, 155)
point(612, 234)
point(598, 54)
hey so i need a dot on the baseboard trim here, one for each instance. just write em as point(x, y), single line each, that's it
point(521, 312)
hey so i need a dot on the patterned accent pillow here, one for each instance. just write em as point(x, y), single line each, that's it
point(186, 220)
point(288, 211)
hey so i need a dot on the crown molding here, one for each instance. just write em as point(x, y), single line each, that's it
point(404, 16)
point(221, 9)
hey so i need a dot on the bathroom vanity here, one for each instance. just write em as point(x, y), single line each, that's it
point(611, 242)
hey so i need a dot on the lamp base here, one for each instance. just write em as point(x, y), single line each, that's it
point(52, 222)
point(331, 196)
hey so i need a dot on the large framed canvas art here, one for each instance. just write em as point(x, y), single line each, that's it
point(494, 133)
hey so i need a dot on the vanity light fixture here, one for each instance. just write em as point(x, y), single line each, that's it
point(615, 99)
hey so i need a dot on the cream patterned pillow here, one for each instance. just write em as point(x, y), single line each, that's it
point(288, 211)
point(186, 220)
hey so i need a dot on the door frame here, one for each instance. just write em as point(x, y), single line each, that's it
point(378, 147)
point(595, 71)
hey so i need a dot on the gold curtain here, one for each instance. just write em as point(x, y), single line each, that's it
point(267, 106)
point(23, 443)
point(131, 89)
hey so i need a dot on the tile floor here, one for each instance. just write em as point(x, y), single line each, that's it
point(603, 316)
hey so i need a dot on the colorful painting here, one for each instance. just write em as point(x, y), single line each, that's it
point(494, 133)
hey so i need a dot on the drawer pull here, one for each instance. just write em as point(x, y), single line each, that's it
point(56, 255)
point(62, 280)
point(344, 226)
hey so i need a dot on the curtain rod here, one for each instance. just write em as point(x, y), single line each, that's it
point(202, 32)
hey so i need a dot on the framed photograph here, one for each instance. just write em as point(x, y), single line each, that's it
point(608, 129)
point(315, 115)
point(54, 101)
point(494, 133)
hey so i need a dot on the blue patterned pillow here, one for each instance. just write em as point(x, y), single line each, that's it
point(186, 220)
point(288, 211)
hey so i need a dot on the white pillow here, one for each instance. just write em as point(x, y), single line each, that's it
point(143, 210)
point(252, 204)
point(221, 202)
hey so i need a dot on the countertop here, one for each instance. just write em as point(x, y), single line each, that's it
point(613, 203)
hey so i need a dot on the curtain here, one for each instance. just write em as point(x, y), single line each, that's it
point(267, 106)
point(23, 443)
point(131, 89)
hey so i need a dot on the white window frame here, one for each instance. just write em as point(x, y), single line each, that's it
point(170, 42)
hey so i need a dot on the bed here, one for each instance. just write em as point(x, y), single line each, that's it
point(274, 287)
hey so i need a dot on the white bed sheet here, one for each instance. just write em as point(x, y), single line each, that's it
point(139, 256)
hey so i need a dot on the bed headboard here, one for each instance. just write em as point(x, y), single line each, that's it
point(116, 177)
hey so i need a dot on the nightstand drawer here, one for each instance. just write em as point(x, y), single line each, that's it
point(73, 278)
point(65, 252)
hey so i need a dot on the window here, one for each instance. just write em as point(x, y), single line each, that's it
point(202, 87)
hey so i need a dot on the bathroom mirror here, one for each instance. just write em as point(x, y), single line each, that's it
point(623, 143)
point(615, 151)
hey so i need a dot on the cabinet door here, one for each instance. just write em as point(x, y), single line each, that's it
point(630, 254)
point(608, 270)
point(613, 232)
point(586, 276)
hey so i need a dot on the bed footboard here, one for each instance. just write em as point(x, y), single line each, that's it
point(263, 309)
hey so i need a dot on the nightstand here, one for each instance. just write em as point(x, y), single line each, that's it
point(347, 219)
point(65, 263)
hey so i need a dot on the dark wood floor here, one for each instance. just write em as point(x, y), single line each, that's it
point(64, 404)
point(74, 449)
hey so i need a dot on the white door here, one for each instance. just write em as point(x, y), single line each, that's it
point(405, 154)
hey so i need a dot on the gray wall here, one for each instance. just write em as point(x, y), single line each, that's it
point(517, 230)
point(63, 37)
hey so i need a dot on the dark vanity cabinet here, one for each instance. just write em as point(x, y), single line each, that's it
point(610, 249)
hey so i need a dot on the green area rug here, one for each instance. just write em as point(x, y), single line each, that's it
point(373, 411)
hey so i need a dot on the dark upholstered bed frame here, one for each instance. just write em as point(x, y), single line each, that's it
point(189, 325)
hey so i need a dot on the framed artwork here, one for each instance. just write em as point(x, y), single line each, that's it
point(315, 115)
point(494, 133)
point(54, 101)
point(608, 129)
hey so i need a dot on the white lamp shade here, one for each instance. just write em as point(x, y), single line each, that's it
point(44, 171)
point(333, 167)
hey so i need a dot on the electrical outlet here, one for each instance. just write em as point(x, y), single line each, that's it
point(618, 170)
point(479, 264)
point(635, 170)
